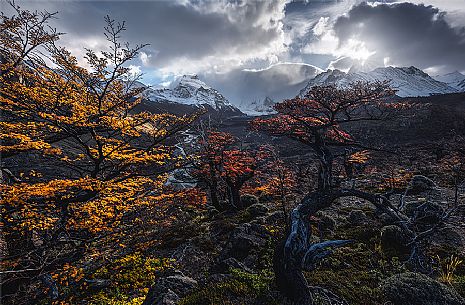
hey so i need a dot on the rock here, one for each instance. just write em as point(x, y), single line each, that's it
point(245, 239)
point(248, 200)
point(326, 223)
point(219, 277)
point(275, 217)
point(166, 298)
point(168, 290)
point(358, 217)
point(418, 289)
point(257, 209)
point(265, 198)
point(242, 245)
point(420, 184)
point(212, 211)
point(393, 241)
point(424, 213)
point(97, 284)
point(230, 263)
point(258, 221)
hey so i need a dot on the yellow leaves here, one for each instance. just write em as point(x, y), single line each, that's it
point(359, 157)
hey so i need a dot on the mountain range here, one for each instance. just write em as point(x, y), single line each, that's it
point(408, 81)
point(262, 88)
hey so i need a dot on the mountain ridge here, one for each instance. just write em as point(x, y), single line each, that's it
point(408, 81)
point(190, 91)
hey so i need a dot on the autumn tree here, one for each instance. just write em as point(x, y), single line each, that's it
point(323, 120)
point(97, 158)
point(224, 166)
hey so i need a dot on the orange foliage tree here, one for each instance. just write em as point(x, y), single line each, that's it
point(98, 157)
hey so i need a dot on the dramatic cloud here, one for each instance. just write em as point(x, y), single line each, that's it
point(226, 39)
point(184, 36)
point(404, 34)
point(278, 82)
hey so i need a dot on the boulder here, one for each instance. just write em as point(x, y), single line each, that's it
point(275, 217)
point(420, 184)
point(248, 200)
point(417, 289)
point(244, 239)
point(424, 214)
point(257, 209)
point(168, 290)
point(393, 241)
point(326, 223)
point(225, 265)
point(358, 217)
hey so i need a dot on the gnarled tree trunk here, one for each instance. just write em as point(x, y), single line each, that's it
point(297, 254)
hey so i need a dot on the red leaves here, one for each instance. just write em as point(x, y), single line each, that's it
point(317, 118)
point(220, 158)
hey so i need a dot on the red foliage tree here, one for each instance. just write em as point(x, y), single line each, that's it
point(320, 119)
point(224, 167)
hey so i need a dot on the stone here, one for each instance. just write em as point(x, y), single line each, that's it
point(168, 290)
point(245, 239)
point(225, 265)
point(326, 223)
point(257, 209)
point(393, 241)
point(418, 289)
point(420, 184)
point(357, 217)
point(274, 217)
point(424, 213)
point(248, 200)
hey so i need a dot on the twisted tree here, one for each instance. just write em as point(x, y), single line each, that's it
point(321, 120)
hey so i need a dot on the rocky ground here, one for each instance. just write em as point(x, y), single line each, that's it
point(226, 258)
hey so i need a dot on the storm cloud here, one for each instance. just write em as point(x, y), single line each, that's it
point(405, 34)
point(184, 36)
point(223, 40)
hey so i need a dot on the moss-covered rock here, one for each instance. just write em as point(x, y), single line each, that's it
point(257, 209)
point(248, 199)
point(418, 289)
point(393, 241)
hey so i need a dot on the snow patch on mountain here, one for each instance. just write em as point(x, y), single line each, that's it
point(454, 79)
point(409, 81)
point(190, 90)
point(257, 107)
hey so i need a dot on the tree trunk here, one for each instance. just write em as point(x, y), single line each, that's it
point(214, 198)
point(235, 196)
point(296, 254)
point(325, 171)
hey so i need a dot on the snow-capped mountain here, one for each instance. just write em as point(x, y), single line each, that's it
point(409, 81)
point(189, 90)
point(258, 107)
point(454, 79)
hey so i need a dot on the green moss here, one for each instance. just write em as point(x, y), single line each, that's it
point(355, 273)
point(219, 293)
point(243, 286)
point(130, 276)
point(459, 285)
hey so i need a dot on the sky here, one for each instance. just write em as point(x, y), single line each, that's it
point(220, 39)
